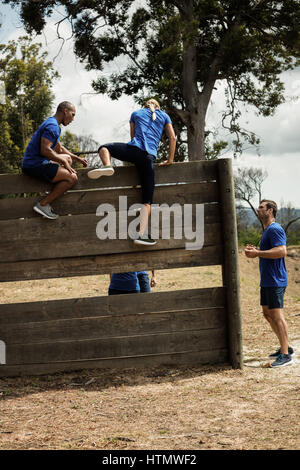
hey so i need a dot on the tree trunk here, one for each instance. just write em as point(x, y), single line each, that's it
point(196, 102)
point(195, 136)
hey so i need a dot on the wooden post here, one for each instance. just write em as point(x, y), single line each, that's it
point(231, 278)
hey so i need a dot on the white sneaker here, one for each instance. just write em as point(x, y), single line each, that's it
point(103, 171)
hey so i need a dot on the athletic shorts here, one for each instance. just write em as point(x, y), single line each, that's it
point(272, 297)
point(144, 282)
point(143, 161)
point(47, 171)
point(117, 292)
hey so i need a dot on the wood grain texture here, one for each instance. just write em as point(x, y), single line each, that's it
point(197, 358)
point(86, 202)
point(154, 302)
point(124, 176)
point(176, 327)
point(121, 346)
point(139, 260)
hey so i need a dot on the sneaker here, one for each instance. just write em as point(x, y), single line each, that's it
point(144, 241)
point(103, 171)
point(46, 211)
point(276, 353)
point(282, 360)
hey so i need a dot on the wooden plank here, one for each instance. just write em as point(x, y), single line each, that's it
point(111, 326)
point(86, 202)
point(123, 346)
point(196, 358)
point(231, 278)
point(124, 176)
point(155, 302)
point(139, 260)
point(27, 227)
point(36, 239)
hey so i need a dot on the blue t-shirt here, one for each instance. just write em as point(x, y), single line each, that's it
point(147, 133)
point(32, 156)
point(273, 271)
point(125, 281)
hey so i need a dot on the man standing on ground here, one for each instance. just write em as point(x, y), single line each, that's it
point(274, 279)
point(45, 158)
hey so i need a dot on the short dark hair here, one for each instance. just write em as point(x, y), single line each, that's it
point(64, 105)
point(271, 205)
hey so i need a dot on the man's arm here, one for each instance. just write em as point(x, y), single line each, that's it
point(61, 149)
point(274, 253)
point(60, 158)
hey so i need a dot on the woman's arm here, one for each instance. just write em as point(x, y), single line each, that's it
point(132, 130)
point(169, 130)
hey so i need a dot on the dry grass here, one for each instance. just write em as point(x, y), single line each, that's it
point(159, 408)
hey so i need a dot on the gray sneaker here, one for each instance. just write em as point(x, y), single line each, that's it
point(103, 171)
point(282, 360)
point(46, 211)
point(276, 353)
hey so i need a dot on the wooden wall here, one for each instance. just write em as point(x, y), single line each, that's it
point(198, 325)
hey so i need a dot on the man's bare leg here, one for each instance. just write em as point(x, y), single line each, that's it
point(278, 324)
point(63, 181)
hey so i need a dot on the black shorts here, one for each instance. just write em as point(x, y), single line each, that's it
point(47, 171)
point(272, 297)
point(117, 292)
point(143, 161)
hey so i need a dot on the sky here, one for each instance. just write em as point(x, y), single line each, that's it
point(106, 120)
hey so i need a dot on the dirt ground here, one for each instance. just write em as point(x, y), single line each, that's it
point(208, 407)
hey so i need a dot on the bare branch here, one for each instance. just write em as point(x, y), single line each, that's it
point(287, 226)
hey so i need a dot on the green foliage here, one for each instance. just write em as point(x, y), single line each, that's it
point(178, 51)
point(70, 141)
point(293, 237)
point(28, 78)
point(79, 144)
point(251, 236)
point(214, 150)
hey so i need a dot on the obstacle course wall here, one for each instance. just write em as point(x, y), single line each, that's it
point(184, 326)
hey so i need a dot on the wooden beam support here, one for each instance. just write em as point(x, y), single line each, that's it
point(231, 278)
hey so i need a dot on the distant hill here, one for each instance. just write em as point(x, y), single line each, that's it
point(283, 215)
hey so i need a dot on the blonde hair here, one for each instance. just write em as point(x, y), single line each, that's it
point(152, 104)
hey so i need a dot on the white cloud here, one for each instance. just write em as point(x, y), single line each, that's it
point(107, 120)
point(282, 182)
point(280, 141)
point(278, 133)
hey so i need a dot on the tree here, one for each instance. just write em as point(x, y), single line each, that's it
point(288, 215)
point(28, 78)
point(248, 186)
point(180, 51)
point(82, 145)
